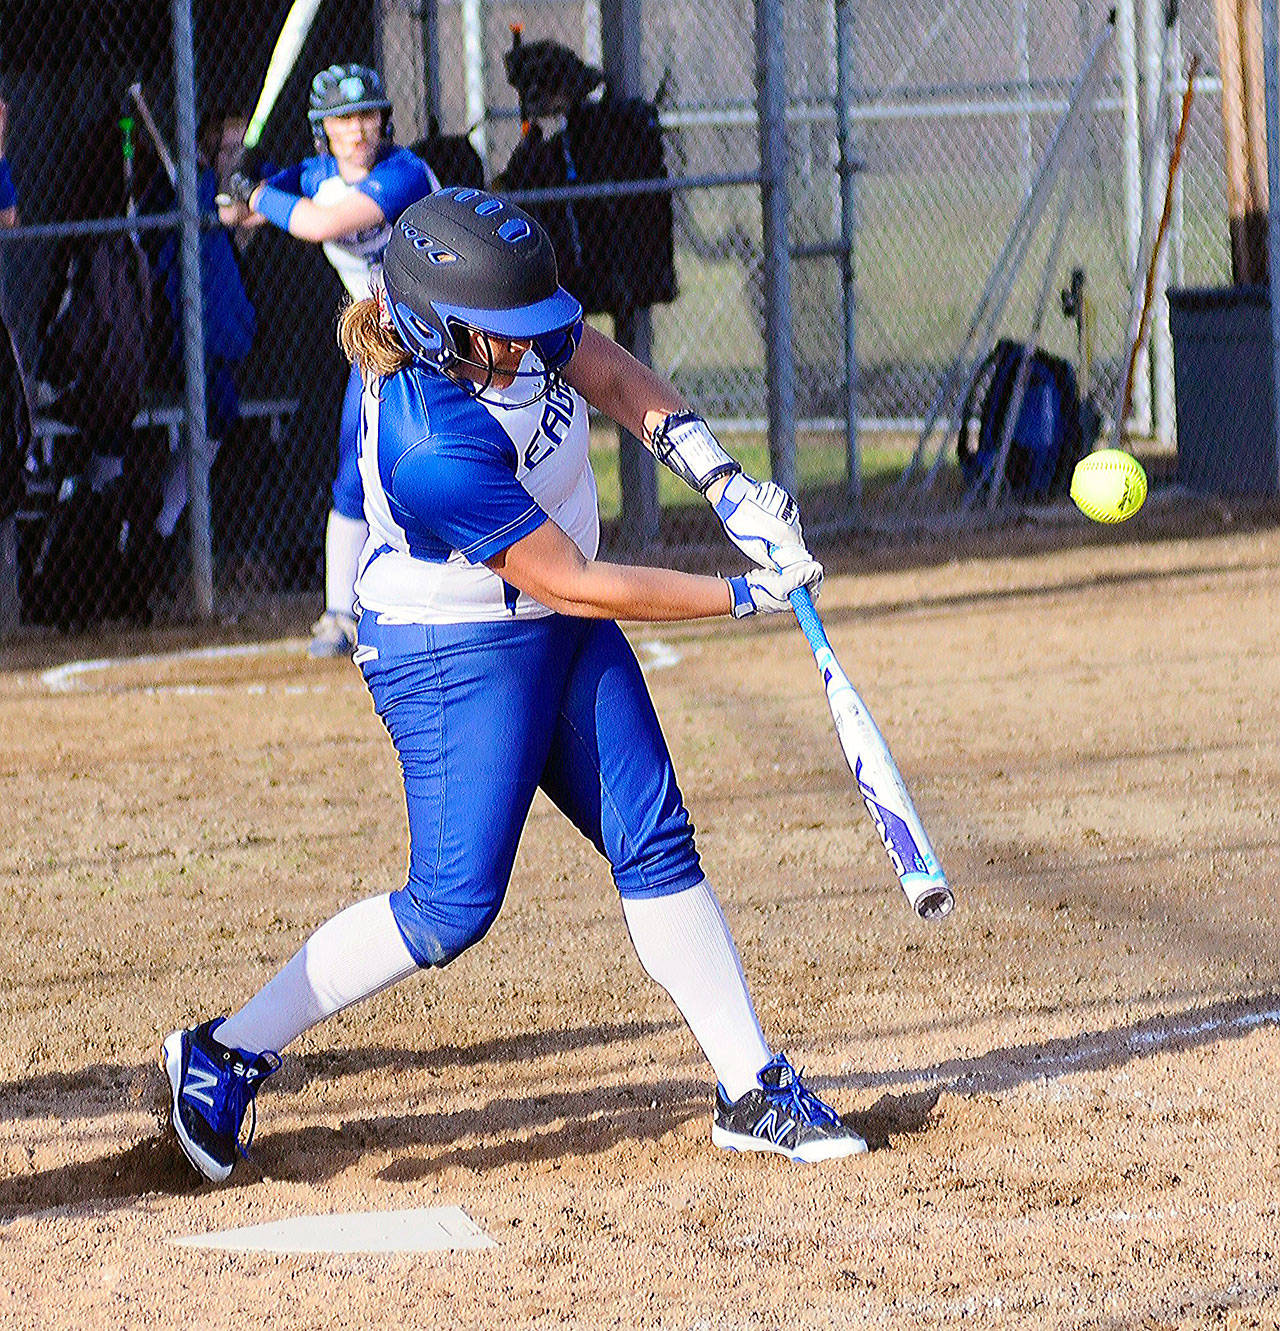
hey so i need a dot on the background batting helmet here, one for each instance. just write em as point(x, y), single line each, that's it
point(342, 89)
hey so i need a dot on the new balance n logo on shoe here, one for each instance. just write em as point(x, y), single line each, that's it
point(198, 1084)
point(769, 1126)
point(213, 1087)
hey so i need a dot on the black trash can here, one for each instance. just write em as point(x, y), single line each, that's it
point(1223, 386)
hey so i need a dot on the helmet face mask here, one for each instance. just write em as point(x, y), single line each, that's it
point(463, 262)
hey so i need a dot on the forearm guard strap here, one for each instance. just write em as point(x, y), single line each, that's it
point(685, 444)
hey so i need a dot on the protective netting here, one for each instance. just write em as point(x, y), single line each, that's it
point(950, 111)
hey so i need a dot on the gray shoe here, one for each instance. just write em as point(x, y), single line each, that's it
point(333, 634)
point(782, 1116)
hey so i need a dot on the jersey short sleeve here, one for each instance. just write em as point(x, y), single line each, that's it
point(289, 180)
point(465, 492)
point(401, 178)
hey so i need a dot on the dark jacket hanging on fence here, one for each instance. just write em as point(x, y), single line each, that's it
point(615, 254)
point(96, 337)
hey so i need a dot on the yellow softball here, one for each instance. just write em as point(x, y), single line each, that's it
point(1109, 485)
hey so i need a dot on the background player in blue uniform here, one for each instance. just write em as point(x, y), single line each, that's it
point(345, 199)
point(487, 639)
point(8, 195)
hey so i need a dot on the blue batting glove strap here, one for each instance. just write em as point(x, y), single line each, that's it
point(8, 194)
point(725, 507)
point(743, 605)
point(276, 205)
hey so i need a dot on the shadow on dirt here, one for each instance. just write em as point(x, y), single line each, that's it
point(593, 1120)
point(893, 1116)
point(543, 1129)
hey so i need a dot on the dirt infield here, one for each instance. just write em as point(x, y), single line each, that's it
point(1072, 1082)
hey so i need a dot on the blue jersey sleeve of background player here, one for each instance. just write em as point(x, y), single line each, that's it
point(289, 180)
point(399, 179)
point(465, 492)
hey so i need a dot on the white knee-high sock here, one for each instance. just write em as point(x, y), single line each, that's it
point(356, 954)
point(683, 942)
point(344, 538)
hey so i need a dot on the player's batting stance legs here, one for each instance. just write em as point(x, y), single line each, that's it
point(591, 740)
point(334, 633)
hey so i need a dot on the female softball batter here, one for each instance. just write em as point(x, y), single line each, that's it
point(346, 199)
point(487, 639)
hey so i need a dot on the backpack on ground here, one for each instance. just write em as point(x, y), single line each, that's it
point(1047, 439)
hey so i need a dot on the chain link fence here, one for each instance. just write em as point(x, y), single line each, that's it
point(908, 138)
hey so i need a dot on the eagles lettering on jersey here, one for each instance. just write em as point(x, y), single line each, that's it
point(397, 179)
point(451, 481)
point(557, 417)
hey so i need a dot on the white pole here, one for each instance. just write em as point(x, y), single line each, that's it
point(1127, 58)
point(592, 34)
point(1160, 412)
point(1024, 78)
point(1271, 79)
point(1177, 238)
point(473, 61)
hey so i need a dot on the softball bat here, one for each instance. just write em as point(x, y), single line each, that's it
point(879, 782)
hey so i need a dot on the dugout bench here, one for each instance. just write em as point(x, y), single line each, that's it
point(44, 434)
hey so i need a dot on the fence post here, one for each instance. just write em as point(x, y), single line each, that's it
point(197, 446)
point(620, 29)
point(848, 237)
point(779, 354)
point(1270, 55)
point(473, 65)
point(1160, 348)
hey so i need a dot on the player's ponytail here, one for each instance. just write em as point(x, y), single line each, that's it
point(368, 340)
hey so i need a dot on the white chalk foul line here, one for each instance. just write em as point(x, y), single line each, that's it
point(67, 678)
point(654, 654)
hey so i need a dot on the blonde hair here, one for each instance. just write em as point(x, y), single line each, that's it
point(368, 341)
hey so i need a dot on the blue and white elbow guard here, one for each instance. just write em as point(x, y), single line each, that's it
point(684, 443)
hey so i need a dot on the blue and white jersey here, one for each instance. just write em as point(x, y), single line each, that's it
point(398, 178)
point(450, 481)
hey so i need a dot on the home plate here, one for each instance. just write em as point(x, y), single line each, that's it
point(429, 1229)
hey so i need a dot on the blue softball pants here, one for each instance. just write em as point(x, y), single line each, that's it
point(481, 716)
point(348, 489)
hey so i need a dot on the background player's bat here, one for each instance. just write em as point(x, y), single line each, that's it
point(879, 782)
point(149, 122)
point(284, 56)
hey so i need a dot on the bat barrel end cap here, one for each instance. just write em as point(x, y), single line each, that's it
point(936, 905)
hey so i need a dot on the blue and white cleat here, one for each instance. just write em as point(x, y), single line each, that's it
point(213, 1087)
point(782, 1116)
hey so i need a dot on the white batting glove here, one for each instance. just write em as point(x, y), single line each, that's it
point(758, 517)
point(765, 591)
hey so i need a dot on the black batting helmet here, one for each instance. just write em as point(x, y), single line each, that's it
point(464, 259)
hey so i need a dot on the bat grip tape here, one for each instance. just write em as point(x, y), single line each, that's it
point(802, 604)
